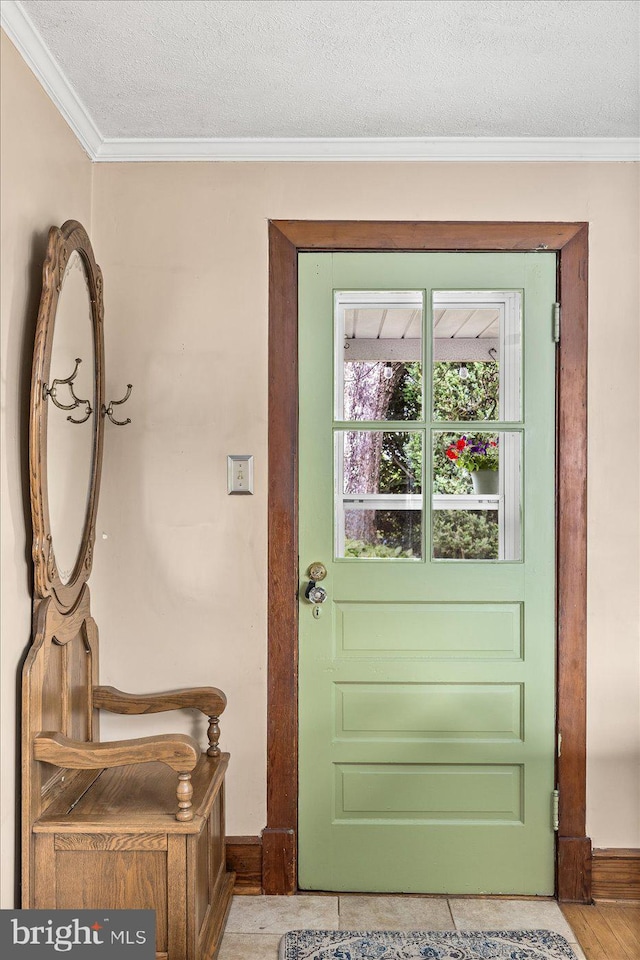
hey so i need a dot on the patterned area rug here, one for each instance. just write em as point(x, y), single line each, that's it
point(459, 945)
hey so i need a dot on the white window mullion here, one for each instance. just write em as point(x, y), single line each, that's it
point(510, 409)
point(338, 496)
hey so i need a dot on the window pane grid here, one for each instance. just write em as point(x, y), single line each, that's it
point(378, 494)
point(474, 353)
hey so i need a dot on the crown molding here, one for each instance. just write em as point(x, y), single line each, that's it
point(22, 32)
point(443, 149)
point(35, 52)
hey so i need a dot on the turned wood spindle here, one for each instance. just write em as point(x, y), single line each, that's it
point(213, 734)
point(184, 794)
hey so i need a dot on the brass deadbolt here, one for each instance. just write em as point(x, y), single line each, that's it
point(317, 571)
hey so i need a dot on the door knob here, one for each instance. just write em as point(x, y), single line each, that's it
point(314, 593)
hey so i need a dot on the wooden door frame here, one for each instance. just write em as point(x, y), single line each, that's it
point(287, 238)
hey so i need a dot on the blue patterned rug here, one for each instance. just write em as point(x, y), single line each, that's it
point(458, 945)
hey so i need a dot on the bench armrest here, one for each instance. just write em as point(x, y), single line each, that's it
point(209, 700)
point(178, 751)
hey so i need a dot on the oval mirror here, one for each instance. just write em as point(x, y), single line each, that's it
point(71, 412)
point(67, 426)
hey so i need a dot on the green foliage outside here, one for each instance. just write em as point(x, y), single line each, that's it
point(459, 534)
point(475, 398)
point(361, 549)
point(456, 534)
point(462, 534)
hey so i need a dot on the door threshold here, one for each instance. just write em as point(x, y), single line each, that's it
point(538, 898)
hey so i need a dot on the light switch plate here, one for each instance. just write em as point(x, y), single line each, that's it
point(239, 473)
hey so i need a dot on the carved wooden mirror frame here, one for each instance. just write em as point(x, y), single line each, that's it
point(62, 243)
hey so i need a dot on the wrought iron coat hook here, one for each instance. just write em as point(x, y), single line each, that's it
point(108, 410)
point(77, 401)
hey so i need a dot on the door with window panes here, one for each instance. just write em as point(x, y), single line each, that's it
point(426, 659)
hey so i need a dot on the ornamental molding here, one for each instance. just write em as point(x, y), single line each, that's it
point(33, 49)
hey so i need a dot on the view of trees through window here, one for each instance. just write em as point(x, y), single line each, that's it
point(462, 534)
point(390, 462)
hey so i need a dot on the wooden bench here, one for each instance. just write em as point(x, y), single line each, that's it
point(127, 824)
point(136, 823)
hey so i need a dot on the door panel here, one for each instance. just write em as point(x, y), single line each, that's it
point(428, 630)
point(426, 696)
point(429, 711)
point(428, 793)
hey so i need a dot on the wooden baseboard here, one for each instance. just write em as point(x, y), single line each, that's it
point(279, 861)
point(616, 874)
point(574, 870)
point(263, 864)
point(244, 858)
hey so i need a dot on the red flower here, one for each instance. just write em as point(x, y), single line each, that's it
point(452, 454)
point(492, 443)
point(461, 443)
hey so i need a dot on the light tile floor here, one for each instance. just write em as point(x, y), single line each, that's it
point(256, 924)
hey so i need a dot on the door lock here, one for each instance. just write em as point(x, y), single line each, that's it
point(317, 571)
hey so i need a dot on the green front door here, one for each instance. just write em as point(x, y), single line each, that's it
point(426, 696)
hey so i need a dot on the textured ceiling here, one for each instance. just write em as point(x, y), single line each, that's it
point(349, 68)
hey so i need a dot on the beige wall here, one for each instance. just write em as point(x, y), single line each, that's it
point(46, 179)
point(179, 584)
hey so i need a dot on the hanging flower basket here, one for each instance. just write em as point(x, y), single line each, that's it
point(485, 481)
point(480, 458)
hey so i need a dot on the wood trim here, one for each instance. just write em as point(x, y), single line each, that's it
point(616, 874)
point(282, 683)
point(574, 848)
point(279, 860)
point(364, 235)
point(286, 239)
point(573, 869)
point(244, 858)
point(571, 535)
